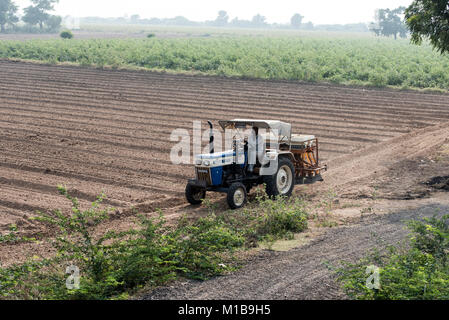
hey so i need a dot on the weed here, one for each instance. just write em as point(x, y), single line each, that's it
point(415, 270)
point(113, 264)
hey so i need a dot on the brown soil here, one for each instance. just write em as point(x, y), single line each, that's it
point(95, 130)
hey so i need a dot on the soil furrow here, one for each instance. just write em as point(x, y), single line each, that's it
point(110, 130)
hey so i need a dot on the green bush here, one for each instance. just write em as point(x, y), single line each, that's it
point(418, 270)
point(113, 264)
point(268, 219)
point(151, 35)
point(282, 217)
point(66, 34)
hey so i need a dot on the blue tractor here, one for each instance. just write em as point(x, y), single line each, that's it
point(273, 157)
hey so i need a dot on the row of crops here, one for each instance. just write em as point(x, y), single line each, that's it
point(358, 60)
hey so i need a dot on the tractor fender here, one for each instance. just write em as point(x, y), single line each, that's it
point(272, 165)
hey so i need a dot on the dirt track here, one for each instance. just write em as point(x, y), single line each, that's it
point(99, 130)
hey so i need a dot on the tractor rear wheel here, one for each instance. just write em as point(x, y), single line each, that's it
point(194, 194)
point(236, 195)
point(282, 182)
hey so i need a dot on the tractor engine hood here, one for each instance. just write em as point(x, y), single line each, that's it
point(215, 159)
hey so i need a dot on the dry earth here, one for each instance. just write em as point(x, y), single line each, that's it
point(95, 130)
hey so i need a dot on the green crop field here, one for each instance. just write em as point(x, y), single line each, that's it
point(351, 59)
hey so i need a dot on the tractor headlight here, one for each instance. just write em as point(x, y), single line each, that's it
point(206, 163)
point(198, 162)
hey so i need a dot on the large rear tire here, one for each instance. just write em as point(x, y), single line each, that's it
point(195, 195)
point(282, 182)
point(236, 197)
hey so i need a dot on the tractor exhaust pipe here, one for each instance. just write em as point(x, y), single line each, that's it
point(211, 137)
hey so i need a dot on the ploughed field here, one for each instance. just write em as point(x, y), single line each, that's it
point(102, 130)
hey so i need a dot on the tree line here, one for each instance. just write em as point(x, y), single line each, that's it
point(390, 22)
point(37, 16)
point(423, 19)
point(223, 20)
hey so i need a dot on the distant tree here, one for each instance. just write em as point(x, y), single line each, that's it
point(308, 26)
point(179, 21)
point(351, 27)
point(135, 18)
point(236, 22)
point(259, 21)
point(389, 23)
point(54, 23)
point(429, 19)
point(154, 21)
point(375, 26)
point(8, 12)
point(296, 21)
point(34, 16)
point(38, 12)
point(222, 19)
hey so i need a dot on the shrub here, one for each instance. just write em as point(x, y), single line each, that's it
point(417, 270)
point(282, 217)
point(66, 34)
point(151, 35)
point(268, 219)
point(113, 264)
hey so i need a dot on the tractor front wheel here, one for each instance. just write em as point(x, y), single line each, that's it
point(195, 195)
point(236, 195)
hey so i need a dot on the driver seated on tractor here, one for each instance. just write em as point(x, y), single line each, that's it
point(269, 154)
point(256, 149)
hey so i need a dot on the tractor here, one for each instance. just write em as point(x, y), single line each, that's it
point(269, 154)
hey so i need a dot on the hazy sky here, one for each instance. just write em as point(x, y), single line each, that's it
point(317, 11)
